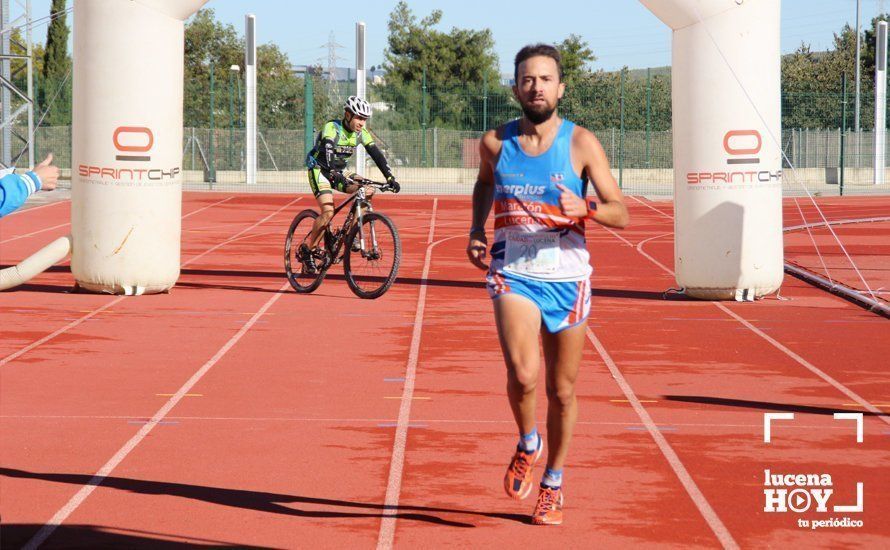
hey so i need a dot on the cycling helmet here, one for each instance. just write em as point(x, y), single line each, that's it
point(358, 106)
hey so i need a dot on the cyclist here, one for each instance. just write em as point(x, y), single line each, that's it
point(334, 145)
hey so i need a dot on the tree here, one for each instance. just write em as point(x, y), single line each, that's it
point(812, 81)
point(209, 43)
point(279, 91)
point(576, 58)
point(18, 67)
point(457, 68)
point(804, 97)
point(56, 69)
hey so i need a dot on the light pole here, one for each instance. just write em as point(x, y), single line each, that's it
point(856, 115)
point(212, 156)
point(234, 73)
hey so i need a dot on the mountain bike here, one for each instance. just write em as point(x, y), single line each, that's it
point(367, 243)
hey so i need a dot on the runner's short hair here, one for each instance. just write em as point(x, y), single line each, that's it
point(533, 50)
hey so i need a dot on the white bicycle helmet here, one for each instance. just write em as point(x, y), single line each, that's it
point(358, 106)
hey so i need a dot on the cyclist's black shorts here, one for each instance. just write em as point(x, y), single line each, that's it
point(320, 184)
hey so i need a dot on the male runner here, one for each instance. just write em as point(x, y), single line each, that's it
point(536, 171)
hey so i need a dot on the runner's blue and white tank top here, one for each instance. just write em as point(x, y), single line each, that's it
point(532, 237)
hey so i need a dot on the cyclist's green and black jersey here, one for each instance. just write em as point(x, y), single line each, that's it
point(334, 145)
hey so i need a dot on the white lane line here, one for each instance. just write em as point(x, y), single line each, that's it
point(235, 236)
point(807, 365)
point(39, 231)
point(96, 311)
point(69, 223)
point(128, 447)
point(617, 236)
point(192, 213)
point(757, 427)
point(676, 464)
point(394, 484)
point(649, 206)
point(25, 210)
point(52, 335)
point(778, 345)
point(639, 248)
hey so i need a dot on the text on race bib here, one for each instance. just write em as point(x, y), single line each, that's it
point(532, 253)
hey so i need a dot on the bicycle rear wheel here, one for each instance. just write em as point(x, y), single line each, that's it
point(300, 278)
point(373, 256)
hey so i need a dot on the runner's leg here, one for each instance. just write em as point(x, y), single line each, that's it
point(562, 357)
point(519, 323)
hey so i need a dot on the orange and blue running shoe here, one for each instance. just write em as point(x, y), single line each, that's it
point(548, 510)
point(518, 479)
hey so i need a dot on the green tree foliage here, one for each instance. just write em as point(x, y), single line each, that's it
point(576, 58)
point(56, 81)
point(811, 81)
point(19, 67)
point(594, 100)
point(456, 70)
point(209, 43)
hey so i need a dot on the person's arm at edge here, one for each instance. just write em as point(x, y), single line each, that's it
point(15, 190)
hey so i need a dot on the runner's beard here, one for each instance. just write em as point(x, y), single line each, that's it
point(537, 115)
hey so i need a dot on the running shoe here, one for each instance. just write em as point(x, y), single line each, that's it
point(518, 479)
point(548, 510)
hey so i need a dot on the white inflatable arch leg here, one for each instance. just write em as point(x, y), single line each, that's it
point(727, 164)
point(126, 188)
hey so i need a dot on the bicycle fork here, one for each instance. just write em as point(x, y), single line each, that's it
point(361, 228)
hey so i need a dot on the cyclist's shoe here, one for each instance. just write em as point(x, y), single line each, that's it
point(518, 479)
point(548, 510)
point(308, 259)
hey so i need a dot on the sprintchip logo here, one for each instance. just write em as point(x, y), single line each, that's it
point(742, 148)
point(740, 145)
point(132, 144)
point(133, 139)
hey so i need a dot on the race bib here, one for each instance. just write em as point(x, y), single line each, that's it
point(532, 253)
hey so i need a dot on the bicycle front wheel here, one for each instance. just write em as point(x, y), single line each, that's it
point(302, 279)
point(373, 254)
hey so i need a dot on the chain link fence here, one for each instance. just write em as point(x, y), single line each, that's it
point(431, 135)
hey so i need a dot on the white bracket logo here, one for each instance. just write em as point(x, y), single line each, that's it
point(798, 491)
point(769, 417)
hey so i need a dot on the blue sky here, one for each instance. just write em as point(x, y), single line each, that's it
point(620, 32)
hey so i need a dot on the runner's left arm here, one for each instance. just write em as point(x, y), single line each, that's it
point(610, 209)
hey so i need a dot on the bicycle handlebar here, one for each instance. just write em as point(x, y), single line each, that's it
point(384, 187)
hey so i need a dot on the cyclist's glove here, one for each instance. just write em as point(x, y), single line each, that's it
point(336, 177)
point(393, 184)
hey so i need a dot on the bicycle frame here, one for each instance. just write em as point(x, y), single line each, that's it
point(360, 204)
point(356, 246)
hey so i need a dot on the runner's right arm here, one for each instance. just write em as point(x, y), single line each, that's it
point(483, 197)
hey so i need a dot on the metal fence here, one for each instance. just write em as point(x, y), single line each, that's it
point(444, 161)
point(430, 136)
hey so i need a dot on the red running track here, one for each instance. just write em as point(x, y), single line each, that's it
point(234, 412)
